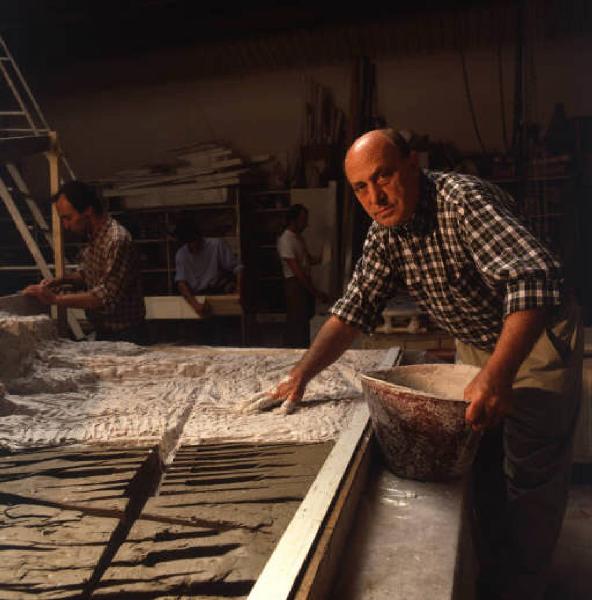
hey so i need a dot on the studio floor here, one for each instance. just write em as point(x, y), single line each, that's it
point(570, 578)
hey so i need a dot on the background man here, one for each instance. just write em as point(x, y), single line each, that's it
point(112, 292)
point(455, 243)
point(205, 265)
point(299, 288)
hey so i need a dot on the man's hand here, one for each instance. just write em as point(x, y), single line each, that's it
point(490, 392)
point(490, 400)
point(42, 292)
point(288, 393)
point(49, 282)
point(332, 340)
point(202, 309)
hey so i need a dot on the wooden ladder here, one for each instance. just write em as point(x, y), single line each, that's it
point(23, 120)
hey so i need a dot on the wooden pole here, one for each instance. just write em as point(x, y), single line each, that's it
point(58, 237)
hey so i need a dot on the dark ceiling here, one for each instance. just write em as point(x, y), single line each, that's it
point(47, 37)
point(67, 30)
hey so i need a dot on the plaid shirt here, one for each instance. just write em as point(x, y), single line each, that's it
point(464, 257)
point(109, 268)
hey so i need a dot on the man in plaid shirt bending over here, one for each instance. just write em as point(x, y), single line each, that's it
point(453, 241)
point(109, 270)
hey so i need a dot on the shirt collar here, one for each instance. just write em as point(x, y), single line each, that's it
point(424, 216)
point(102, 230)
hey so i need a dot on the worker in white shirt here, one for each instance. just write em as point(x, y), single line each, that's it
point(299, 289)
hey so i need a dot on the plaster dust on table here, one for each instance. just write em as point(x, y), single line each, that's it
point(58, 391)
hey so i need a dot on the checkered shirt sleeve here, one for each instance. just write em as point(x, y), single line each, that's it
point(113, 286)
point(109, 267)
point(504, 251)
point(372, 283)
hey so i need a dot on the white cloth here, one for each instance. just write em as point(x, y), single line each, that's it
point(206, 268)
point(291, 245)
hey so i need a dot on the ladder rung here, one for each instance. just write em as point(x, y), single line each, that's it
point(5, 59)
point(30, 130)
point(12, 113)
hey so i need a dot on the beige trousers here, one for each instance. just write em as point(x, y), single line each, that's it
point(521, 474)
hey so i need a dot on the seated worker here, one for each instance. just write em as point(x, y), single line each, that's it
point(205, 266)
point(298, 286)
point(108, 274)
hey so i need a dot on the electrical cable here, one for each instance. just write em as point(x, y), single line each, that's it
point(500, 74)
point(470, 99)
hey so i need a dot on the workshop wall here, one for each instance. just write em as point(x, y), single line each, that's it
point(427, 94)
point(107, 129)
point(119, 114)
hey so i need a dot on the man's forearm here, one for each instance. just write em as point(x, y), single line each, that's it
point(519, 334)
point(75, 277)
point(333, 339)
point(490, 392)
point(78, 300)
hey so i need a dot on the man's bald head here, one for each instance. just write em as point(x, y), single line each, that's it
point(379, 138)
point(384, 175)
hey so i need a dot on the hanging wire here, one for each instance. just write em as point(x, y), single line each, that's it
point(500, 74)
point(470, 98)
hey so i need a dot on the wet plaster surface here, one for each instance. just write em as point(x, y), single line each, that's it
point(58, 508)
point(206, 532)
point(134, 473)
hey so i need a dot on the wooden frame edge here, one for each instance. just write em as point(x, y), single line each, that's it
point(301, 564)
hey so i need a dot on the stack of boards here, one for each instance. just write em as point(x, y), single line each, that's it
point(198, 174)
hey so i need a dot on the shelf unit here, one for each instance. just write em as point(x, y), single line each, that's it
point(265, 218)
point(153, 231)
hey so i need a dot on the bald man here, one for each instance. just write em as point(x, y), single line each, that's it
point(455, 243)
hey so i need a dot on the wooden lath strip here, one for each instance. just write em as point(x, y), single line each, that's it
point(280, 576)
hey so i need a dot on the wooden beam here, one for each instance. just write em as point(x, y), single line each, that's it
point(322, 566)
point(24, 190)
point(175, 307)
point(64, 316)
point(24, 230)
point(14, 149)
point(56, 225)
